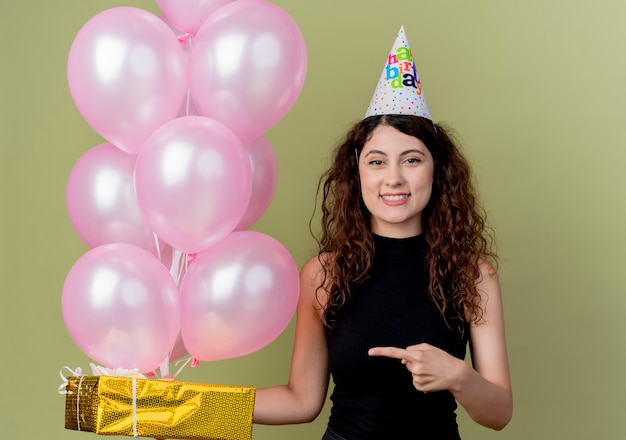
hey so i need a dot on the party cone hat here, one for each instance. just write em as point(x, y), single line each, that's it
point(399, 90)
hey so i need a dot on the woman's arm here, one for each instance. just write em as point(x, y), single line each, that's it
point(484, 390)
point(302, 398)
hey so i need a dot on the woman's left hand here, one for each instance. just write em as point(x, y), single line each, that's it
point(432, 368)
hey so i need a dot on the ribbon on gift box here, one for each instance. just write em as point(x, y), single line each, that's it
point(78, 372)
point(98, 370)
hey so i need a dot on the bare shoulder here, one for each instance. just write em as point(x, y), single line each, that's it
point(490, 296)
point(312, 270)
point(488, 283)
point(312, 277)
point(487, 269)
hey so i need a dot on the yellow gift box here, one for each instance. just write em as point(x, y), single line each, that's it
point(138, 407)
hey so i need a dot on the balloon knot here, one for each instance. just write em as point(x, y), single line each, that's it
point(184, 37)
point(194, 363)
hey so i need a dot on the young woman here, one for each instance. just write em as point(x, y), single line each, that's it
point(404, 281)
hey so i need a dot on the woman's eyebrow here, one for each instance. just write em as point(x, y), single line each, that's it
point(376, 152)
point(404, 153)
point(412, 151)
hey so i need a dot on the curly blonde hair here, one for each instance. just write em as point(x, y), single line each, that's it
point(454, 224)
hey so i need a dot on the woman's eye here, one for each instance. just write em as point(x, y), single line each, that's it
point(413, 160)
point(376, 162)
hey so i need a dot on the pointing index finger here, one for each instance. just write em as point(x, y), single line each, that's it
point(391, 352)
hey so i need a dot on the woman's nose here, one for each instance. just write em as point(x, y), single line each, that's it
point(394, 176)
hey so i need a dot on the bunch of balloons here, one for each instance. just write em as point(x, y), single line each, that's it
point(182, 100)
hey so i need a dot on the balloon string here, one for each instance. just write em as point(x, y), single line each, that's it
point(191, 361)
point(175, 272)
point(156, 243)
point(178, 266)
point(187, 39)
point(184, 362)
point(189, 259)
point(188, 102)
point(173, 264)
point(182, 268)
point(164, 367)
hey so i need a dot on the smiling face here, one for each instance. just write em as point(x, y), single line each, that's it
point(396, 174)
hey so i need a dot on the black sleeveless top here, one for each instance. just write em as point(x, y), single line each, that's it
point(374, 397)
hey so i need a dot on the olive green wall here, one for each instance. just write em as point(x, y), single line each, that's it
point(536, 90)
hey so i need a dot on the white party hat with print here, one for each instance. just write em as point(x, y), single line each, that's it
point(399, 90)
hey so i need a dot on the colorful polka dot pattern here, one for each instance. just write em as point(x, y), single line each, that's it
point(399, 90)
point(159, 408)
